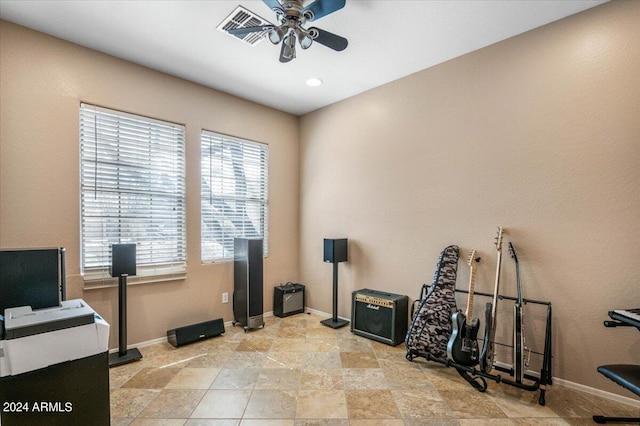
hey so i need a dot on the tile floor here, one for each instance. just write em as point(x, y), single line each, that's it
point(297, 372)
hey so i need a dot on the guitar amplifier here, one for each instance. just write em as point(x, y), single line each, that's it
point(288, 299)
point(379, 316)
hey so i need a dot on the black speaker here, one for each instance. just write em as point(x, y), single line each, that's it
point(247, 283)
point(123, 260)
point(288, 299)
point(379, 316)
point(335, 250)
point(194, 332)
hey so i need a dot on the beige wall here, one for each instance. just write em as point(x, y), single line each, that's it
point(42, 82)
point(540, 134)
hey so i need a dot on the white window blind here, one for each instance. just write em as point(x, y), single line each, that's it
point(234, 194)
point(132, 191)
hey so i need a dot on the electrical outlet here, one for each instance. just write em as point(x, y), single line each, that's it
point(225, 297)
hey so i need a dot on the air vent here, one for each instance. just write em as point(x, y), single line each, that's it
point(243, 18)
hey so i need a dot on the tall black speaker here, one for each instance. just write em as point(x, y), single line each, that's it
point(123, 264)
point(379, 316)
point(247, 283)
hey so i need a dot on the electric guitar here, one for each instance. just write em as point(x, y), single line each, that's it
point(488, 347)
point(518, 332)
point(463, 343)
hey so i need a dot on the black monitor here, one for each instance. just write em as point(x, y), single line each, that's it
point(31, 277)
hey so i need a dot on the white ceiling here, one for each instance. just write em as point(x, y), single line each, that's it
point(388, 39)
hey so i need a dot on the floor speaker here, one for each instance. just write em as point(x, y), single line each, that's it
point(248, 283)
point(379, 316)
point(195, 332)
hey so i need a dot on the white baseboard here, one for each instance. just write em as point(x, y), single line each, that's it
point(597, 392)
point(582, 388)
point(556, 381)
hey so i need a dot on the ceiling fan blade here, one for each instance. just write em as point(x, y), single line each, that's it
point(321, 8)
point(330, 40)
point(273, 4)
point(247, 30)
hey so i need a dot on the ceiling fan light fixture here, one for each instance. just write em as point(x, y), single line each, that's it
point(289, 46)
point(304, 37)
point(276, 34)
point(305, 42)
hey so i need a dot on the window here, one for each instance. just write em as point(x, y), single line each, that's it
point(132, 191)
point(234, 200)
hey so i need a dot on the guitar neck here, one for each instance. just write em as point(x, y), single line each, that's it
point(496, 289)
point(472, 284)
point(519, 288)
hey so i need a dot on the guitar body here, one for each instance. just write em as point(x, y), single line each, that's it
point(486, 357)
point(463, 344)
point(462, 347)
point(519, 365)
point(488, 348)
point(518, 346)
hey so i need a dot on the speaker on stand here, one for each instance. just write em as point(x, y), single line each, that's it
point(123, 264)
point(335, 251)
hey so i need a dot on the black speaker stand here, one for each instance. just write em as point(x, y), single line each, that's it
point(335, 322)
point(123, 356)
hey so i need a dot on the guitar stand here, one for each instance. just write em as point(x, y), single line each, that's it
point(478, 382)
point(476, 377)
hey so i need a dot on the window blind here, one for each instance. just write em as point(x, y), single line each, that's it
point(234, 194)
point(132, 191)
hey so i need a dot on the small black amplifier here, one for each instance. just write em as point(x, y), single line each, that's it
point(380, 316)
point(288, 299)
point(194, 332)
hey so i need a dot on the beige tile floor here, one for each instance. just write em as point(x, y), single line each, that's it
point(297, 372)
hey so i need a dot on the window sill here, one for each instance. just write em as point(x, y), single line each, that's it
point(99, 279)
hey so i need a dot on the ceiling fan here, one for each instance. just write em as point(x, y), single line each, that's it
point(292, 15)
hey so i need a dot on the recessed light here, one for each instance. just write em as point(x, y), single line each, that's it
point(314, 82)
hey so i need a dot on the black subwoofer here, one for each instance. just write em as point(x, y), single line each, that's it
point(194, 332)
point(379, 315)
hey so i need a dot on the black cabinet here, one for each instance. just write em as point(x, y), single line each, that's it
point(69, 393)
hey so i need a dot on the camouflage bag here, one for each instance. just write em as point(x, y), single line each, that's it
point(431, 327)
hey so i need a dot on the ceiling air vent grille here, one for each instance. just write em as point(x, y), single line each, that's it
point(242, 18)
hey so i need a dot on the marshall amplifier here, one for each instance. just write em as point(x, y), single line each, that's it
point(379, 316)
point(288, 299)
